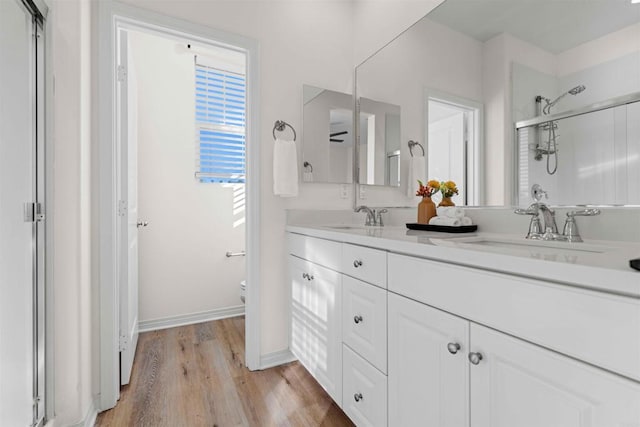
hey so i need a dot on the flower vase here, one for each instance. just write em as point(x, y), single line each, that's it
point(446, 201)
point(426, 210)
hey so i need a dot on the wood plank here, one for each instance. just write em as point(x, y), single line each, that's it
point(195, 376)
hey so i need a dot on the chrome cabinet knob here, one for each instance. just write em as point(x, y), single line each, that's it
point(357, 263)
point(475, 358)
point(453, 347)
point(309, 277)
point(142, 224)
point(357, 397)
point(358, 319)
point(305, 276)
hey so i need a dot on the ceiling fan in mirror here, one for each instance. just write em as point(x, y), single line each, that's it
point(333, 135)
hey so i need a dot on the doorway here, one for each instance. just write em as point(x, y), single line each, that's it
point(164, 164)
point(454, 141)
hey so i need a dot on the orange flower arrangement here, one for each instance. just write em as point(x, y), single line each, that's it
point(428, 190)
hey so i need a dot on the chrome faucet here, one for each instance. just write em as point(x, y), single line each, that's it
point(373, 218)
point(570, 231)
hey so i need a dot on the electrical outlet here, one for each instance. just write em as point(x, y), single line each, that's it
point(344, 191)
point(363, 193)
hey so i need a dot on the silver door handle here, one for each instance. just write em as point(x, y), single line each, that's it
point(475, 358)
point(142, 224)
point(230, 254)
point(357, 319)
point(453, 347)
point(357, 397)
point(357, 263)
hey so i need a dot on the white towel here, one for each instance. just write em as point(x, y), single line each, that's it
point(450, 212)
point(440, 220)
point(285, 168)
point(417, 171)
point(466, 220)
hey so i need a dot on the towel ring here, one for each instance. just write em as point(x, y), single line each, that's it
point(280, 126)
point(308, 165)
point(412, 144)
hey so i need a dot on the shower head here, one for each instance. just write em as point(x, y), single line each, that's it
point(573, 91)
point(576, 90)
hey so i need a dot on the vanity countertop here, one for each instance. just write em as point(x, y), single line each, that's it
point(599, 265)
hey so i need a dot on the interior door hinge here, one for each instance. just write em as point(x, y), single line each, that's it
point(123, 343)
point(122, 73)
point(122, 207)
point(33, 212)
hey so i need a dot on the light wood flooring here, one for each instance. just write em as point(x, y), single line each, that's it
point(195, 376)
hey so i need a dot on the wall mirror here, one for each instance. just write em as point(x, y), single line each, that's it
point(328, 135)
point(504, 94)
point(379, 148)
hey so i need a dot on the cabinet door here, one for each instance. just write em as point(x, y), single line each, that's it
point(518, 384)
point(316, 334)
point(364, 321)
point(365, 391)
point(428, 368)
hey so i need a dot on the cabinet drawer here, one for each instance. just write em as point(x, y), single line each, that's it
point(320, 251)
point(364, 391)
point(364, 320)
point(365, 264)
point(598, 328)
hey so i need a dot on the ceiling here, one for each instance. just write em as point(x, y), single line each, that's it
point(553, 25)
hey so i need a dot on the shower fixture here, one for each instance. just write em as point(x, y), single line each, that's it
point(550, 146)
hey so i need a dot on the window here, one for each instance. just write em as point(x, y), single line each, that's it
point(220, 125)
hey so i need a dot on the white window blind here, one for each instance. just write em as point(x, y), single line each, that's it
point(220, 125)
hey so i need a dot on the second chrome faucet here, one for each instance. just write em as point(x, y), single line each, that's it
point(374, 218)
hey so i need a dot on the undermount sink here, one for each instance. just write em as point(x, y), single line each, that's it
point(540, 246)
point(344, 227)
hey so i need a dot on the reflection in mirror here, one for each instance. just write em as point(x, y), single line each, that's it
point(327, 150)
point(503, 56)
point(379, 151)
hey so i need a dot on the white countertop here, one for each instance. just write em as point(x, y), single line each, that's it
point(599, 265)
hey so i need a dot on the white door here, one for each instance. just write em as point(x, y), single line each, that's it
point(518, 384)
point(20, 254)
point(428, 368)
point(128, 210)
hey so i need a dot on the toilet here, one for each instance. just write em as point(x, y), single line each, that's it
point(243, 289)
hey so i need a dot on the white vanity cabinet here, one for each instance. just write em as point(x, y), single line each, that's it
point(316, 312)
point(518, 384)
point(428, 367)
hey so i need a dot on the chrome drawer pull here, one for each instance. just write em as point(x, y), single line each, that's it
point(358, 319)
point(357, 397)
point(357, 263)
point(475, 358)
point(453, 347)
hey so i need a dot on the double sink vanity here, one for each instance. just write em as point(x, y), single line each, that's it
point(406, 328)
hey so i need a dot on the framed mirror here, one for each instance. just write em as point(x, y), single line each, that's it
point(328, 136)
point(504, 94)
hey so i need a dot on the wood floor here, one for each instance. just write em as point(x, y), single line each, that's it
point(195, 376)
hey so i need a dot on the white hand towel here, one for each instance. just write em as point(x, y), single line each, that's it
point(440, 220)
point(450, 212)
point(466, 220)
point(417, 171)
point(285, 168)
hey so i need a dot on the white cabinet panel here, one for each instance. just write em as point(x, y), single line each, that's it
point(320, 251)
point(364, 320)
point(517, 384)
point(428, 382)
point(364, 391)
point(365, 264)
point(316, 337)
point(591, 326)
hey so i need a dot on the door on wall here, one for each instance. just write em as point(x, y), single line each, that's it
point(128, 208)
point(22, 361)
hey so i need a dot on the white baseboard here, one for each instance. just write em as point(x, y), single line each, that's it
point(276, 358)
point(89, 419)
point(190, 319)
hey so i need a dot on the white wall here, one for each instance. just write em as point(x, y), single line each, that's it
point(182, 264)
point(71, 143)
point(300, 43)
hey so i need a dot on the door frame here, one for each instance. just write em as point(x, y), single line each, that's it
point(111, 16)
point(476, 161)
